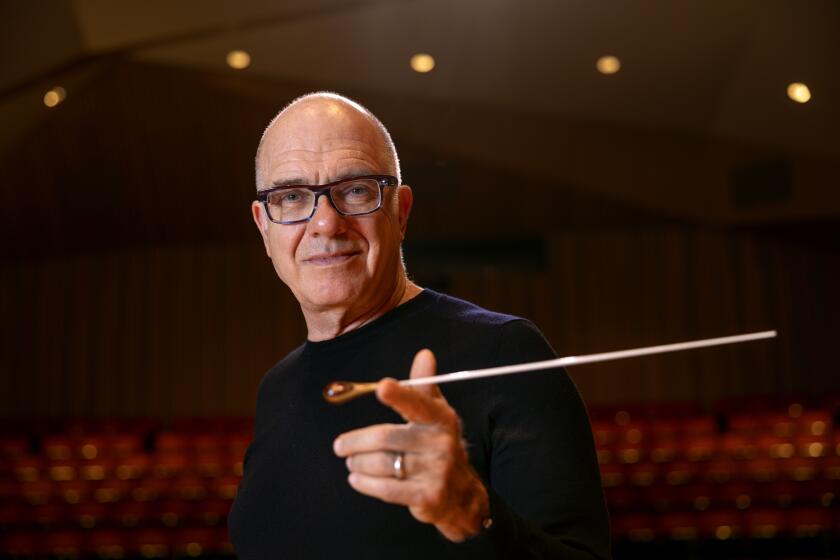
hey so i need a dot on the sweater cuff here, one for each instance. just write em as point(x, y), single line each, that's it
point(502, 537)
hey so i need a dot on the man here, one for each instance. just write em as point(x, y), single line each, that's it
point(497, 468)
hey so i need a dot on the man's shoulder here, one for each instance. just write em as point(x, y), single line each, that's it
point(461, 311)
point(501, 336)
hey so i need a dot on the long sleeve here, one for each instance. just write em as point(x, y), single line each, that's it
point(545, 487)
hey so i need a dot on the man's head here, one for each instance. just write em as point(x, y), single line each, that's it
point(333, 262)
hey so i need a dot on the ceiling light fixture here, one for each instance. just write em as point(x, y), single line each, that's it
point(799, 92)
point(608, 65)
point(238, 60)
point(55, 96)
point(422, 63)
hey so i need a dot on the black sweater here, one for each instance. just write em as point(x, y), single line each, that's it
point(528, 435)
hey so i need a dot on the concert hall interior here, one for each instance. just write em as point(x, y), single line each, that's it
point(623, 174)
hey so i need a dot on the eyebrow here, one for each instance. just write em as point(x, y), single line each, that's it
point(302, 182)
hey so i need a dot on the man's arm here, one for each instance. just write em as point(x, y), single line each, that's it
point(545, 497)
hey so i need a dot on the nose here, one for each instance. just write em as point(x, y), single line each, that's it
point(326, 220)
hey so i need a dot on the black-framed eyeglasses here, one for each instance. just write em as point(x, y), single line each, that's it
point(356, 196)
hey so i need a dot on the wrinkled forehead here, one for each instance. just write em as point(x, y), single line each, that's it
point(317, 140)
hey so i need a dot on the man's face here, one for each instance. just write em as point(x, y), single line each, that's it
point(332, 261)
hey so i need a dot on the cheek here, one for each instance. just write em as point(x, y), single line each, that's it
point(284, 243)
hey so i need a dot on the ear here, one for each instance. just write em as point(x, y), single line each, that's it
point(262, 222)
point(405, 199)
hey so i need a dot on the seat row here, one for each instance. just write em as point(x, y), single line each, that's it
point(115, 544)
point(727, 524)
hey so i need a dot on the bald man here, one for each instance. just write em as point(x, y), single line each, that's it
point(497, 468)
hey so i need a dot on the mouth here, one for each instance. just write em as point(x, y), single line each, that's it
point(326, 259)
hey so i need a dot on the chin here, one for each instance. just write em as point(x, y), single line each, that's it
point(333, 295)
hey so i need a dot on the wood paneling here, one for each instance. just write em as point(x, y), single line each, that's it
point(190, 330)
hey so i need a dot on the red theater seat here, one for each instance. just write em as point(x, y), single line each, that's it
point(13, 447)
point(721, 524)
point(636, 527)
point(150, 543)
point(65, 543)
point(107, 544)
point(196, 541)
point(765, 523)
point(22, 544)
point(810, 522)
point(738, 446)
point(680, 526)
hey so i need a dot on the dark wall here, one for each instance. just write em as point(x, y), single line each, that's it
point(132, 280)
point(188, 330)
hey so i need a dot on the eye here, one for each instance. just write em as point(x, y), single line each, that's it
point(290, 197)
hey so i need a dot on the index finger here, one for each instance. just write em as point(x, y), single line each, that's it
point(413, 405)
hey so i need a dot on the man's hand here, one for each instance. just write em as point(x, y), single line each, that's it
point(440, 486)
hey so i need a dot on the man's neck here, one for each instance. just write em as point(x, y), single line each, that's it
point(327, 324)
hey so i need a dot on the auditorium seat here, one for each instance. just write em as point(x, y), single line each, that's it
point(765, 523)
point(810, 445)
point(73, 491)
point(28, 468)
point(195, 541)
point(133, 466)
point(170, 464)
point(188, 487)
point(721, 470)
point(800, 469)
point(635, 527)
point(612, 475)
point(735, 495)
point(112, 490)
point(623, 498)
point(701, 448)
point(643, 474)
point(150, 489)
point(738, 446)
point(808, 522)
point(172, 513)
point(665, 450)
point(225, 487)
point(22, 544)
point(213, 512)
point(762, 469)
point(130, 513)
point(107, 544)
point(61, 470)
point(680, 525)
point(720, 524)
point(13, 447)
point(778, 493)
point(677, 473)
point(659, 497)
point(150, 543)
point(89, 515)
point(96, 469)
point(37, 491)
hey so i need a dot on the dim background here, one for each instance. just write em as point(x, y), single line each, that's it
point(684, 196)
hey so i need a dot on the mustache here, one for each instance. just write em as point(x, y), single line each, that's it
point(329, 249)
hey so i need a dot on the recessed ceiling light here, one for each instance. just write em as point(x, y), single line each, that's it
point(55, 96)
point(422, 63)
point(238, 59)
point(608, 65)
point(799, 92)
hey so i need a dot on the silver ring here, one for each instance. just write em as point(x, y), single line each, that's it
point(399, 469)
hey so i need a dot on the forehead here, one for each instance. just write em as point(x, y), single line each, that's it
point(320, 141)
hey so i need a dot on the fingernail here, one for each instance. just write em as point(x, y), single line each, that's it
point(347, 463)
point(337, 444)
point(351, 478)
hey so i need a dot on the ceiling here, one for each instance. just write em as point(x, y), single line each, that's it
point(694, 74)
